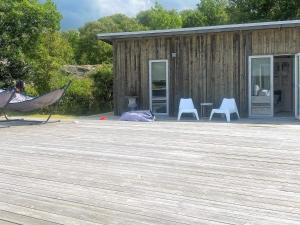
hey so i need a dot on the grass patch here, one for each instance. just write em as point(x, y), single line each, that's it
point(42, 116)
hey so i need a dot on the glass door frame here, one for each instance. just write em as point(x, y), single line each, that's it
point(297, 86)
point(167, 84)
point(250, 84)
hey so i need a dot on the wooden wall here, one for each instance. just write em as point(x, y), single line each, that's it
point(208, 67)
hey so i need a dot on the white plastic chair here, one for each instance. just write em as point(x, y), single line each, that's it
point(227, 107)
point(186, 105)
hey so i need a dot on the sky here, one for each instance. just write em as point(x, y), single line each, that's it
point(77, 12)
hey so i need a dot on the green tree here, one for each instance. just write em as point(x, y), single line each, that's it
point(192, 18)
point(51, 53)
point(214, 12)
point(208, 12)
point(21, 25)
point(72, 37)
point(93, 51)
point(159, 18)
point(263, 10)
point(103, 86)
point(12, 68)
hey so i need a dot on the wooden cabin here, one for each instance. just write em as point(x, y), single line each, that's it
point(256, 63)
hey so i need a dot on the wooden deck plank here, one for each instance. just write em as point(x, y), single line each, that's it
point(4, 222)
point(112, 199)
point(13, 218)
point(186, 169)
point(130, 172)
point(113, 172)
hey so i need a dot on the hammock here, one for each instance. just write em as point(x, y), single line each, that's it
point(5, 97)
point(36, 103)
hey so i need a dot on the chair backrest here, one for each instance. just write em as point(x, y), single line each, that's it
point(186, 103)
point(229, 104)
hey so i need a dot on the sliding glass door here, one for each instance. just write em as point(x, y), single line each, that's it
point(261, 86)
point(159, 86)
point(297, 86)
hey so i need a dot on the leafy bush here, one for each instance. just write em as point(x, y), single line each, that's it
point(92, 51)
point(30, 90)
point(88, 94)
point(52, 52)
point(78, 99)
point(22, 23)
point(103, 87)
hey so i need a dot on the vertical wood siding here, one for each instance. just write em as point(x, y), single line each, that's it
point(208, 67)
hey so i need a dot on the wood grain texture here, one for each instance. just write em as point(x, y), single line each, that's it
point(208, 67)
point(170, 173)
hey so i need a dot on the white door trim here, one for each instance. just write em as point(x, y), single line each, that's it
point(250, 81)
point(297, 85)
point(167, 84)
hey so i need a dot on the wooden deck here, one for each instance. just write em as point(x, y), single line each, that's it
point(110, 172)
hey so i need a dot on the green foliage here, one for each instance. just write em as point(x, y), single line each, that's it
point(22, 22)
point(88, 94)
point(92, 51)
point(72, 37)
point(51, 53)
point(30, 90)
point(208, 12)
point(263, 10)
point(79, 99)
point(12, 69)
point(192, 18)
point(159, 18)
point(214, 11)
point(286, 10)
point(103, 86)
point(21, 25)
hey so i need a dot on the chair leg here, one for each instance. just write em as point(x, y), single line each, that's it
point(237, 113)
point(197, 116)
point(227, 116)
point(211, 115)
point(179, 115)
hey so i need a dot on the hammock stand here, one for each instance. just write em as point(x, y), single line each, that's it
point(5, 97)
point(40, 102)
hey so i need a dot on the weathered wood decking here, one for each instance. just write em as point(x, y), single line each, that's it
point(171, 173)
